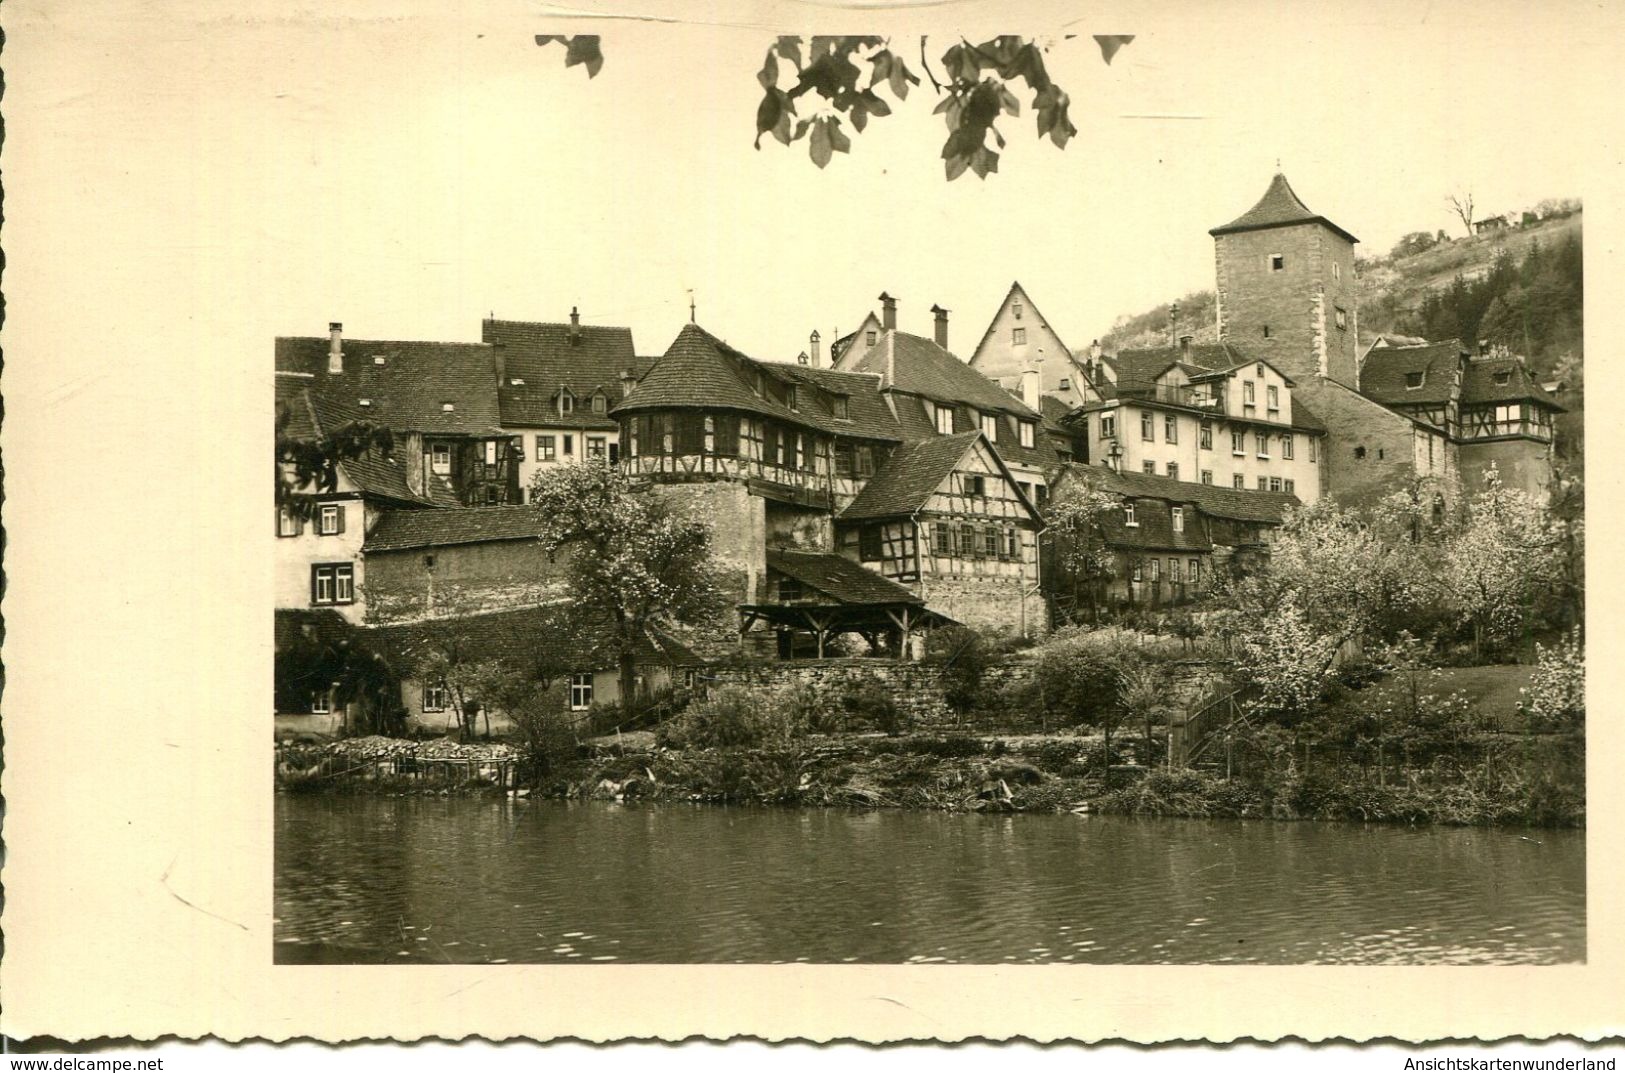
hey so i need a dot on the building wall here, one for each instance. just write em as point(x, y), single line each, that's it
point(1298, 302)
point(531, 465)
point(798, 527)
point(1522, 464)
point(738, 523)
point(293, 557)
point(1303, 469)
point(606, 689)
point(999, 358)
point(1372, 451)
point(465, 579)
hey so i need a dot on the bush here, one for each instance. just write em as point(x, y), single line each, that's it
point(731, 716)
point(870, 704)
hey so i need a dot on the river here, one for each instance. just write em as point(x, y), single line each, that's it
point(376, 880)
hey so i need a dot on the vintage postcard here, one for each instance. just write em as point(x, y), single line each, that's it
point(794, 520)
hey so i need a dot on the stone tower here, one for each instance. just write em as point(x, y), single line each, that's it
point(1285, 279)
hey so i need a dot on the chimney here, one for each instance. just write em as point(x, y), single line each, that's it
point(1184, 345)
point(942, 326)
point(888, 311)
point(1483, 348)
point(1029, 387)
point(575, 327)
point(801, 358)
point(813, 357)
point(629, 380)
point(499, 354)
point(1173, 321)
point(335, 347)
point(416, 462)
point(1095, 350)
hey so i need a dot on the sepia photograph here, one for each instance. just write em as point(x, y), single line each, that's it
point(948, 500)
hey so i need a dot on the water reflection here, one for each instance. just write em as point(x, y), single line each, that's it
point(459, 880)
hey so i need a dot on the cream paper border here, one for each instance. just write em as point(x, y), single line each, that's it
point(138, 832)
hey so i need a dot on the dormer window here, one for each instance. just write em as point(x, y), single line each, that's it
point(378, 359)
point(792, 397)
point(945, 420)
point(842, 408)
point(363, 402)
point(1179, 519)
point(1266, 331)
point(447, 407)
point(600, 404)
point(1026, 432)
point(567, 403)
point(869, 337)
point(1503, 378)
point(990, 427)
point(1128, 516)
point(517, 382)
point(1414, 380)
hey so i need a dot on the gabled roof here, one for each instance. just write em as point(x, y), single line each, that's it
point(919, 366)
point(518, 638)
point(313, 414)
point(1054, 410)
point(1016, 289)
point(910, 476)
point(1154, 528)
point(868, 415)
point(539, 358)
point(840, 579)
point(1386, 369)
point(1279, 207)
point(1232, 504)
point(409, 388)
point(398, 530)
point(1479, 383)
point(1137, 370)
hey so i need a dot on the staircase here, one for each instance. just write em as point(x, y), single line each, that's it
point(1191, 734)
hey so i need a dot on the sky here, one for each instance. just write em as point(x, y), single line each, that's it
point(408, 168)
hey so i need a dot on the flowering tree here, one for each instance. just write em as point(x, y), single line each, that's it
point(1507, 556)
point(632, 560)
point(1073, 521)
point(1556, 695)
point(1288, 660)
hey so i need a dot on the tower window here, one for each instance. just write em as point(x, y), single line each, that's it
point(1359, 452)
point(1277, 261)
point(1413, 379)
point(1337, 270)
point(1018, 336)
point(1342, 318)
point(1266, 331)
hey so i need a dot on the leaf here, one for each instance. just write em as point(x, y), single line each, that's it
point(874, 104)
point(767, 116)
point(837, 137)
point(790, 49)
point(781, 130)
point(768, 76)
point(983, 161)
point(900, 77)
point(954, 166)
point(819, 147)
point(584, 48)
point(1110, 43)
point(1008, 102)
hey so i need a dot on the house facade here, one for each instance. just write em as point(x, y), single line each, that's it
point(1021, 353)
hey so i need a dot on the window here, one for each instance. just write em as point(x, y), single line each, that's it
point(866, 461)
point(1275, 484)
point(1342, 318)
point(1263, 484)
point(570, 446)
point(1503, 378)
point(869, 543)
point(1012, 543)
point(287, 523)
point(332, 583)
point(967, 542)
point(990, 427)
point(869, 338)
point(945, 420)
point(991, 542)
point(1337, 270)
point(516, 448)
point(1136, 575)
point(1272, 395)
point(1196, 571)
point(1015, 310)
point(1025, 432)
point(1207, 476)
point(1414, 380)
point(942, 539)
point(1247, 398)
point(567, 403)
point(1173, 471)
point(1380, 454)
point(1288, 447)
point(792, 397)
point(447, 407)
point(1156, 571)
point(545, 450)
point(1179, 519)
point(1108, 426)
point(434, 697)
point(490, 452)
point(1263, 439)
point(1170, 428)
point(842, 407)
point(975, 484)
point(1277, 262)
point(580, 692)
point(1018, 336)
point(321, 701)
point(1204, 436)
point(1260, 370)
point(1148, 428)
point(843, 460)
point(1313, 448)
point(1128, 515)
point(1359, 452)
point(600, 404)
point(1288, 485)
point(1266, 331)
point(596, 447)
point(789, 590)
point(1173, 571)
point(330, 519)
point(1238, 442)
point(440, 458)
point(1148, 467)
point(1236, 481)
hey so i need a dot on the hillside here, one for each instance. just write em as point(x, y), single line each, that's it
point(1413, 290)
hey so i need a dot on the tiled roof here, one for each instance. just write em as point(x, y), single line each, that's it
point(294, 625)
point(410, 387)
point(1385, 370)
point(539, 358)
point(843, 580)
point(1233, 504)
point(401, 529)
point(1479, 386)
point(870, 417)
point(912, 473)
point(1137, 370)
point(1054, 410)
point(518, 637)
point(312, 413)
point(1278, 207)
point(1154, 528)
point(920, 367)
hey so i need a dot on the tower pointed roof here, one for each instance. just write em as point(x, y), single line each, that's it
point(1279, 207)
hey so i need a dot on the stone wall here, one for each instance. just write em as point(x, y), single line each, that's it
point(997, 602)
point(403, 586)
point(1521, 464)
point(1370, 451)
point(1298, 302)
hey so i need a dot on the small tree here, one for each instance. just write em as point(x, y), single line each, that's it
point(1555, 698)
point(1142, 698)
point(1461, 204)
point(1081, 678)
point(1288, 660)
point(1075, 520)
point(1508, 555)
point(633, 561)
